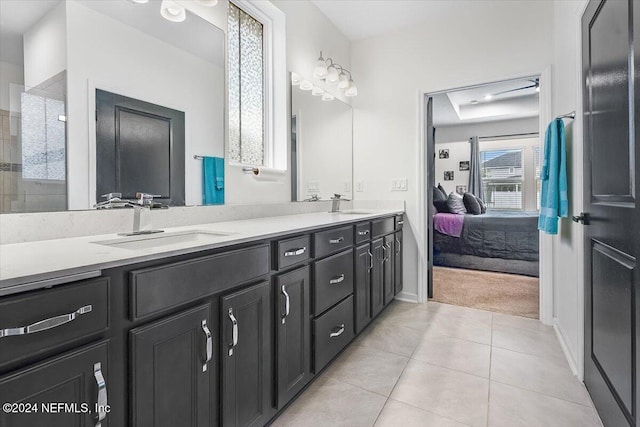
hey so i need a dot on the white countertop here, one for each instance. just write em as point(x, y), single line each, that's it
point(26, 263)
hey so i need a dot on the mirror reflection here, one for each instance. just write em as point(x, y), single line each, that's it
point(321, 145)
point(101, 96)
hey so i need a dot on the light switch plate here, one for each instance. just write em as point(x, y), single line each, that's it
point(346, 187)
point(399, 184)
point(360, 186)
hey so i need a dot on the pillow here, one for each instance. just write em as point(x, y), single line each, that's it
point(456, 204)
point(444, 192)
point(441, 206)
point(438, 195)
point(483, 206)
point(471, 204)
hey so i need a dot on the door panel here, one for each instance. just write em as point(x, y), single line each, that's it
point(377, 277)
point(389, 276)
point(362, 289)
point(611, 236)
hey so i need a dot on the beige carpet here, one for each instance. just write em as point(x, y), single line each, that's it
point(499, 292)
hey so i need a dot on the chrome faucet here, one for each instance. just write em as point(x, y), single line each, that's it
point(313, 198)
point(143, 201)
point(335, 204)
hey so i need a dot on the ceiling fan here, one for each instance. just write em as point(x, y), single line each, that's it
point(534, 84)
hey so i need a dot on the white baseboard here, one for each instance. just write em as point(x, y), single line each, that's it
point(406, 297)
point(565, 348)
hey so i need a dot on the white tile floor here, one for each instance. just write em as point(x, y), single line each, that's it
point(444, 366)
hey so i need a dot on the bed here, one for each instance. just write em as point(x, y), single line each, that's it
point(502, 241)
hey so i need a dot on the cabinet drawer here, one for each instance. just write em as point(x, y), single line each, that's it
point(381, 227)
point(40, 321)
point(363, 232)
point(332, 280)
point(292, 251)
point(399, 222)
point(331, 241)
point(332, 332)
point(155, 289)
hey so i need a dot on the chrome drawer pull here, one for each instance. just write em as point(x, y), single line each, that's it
point(397, 246)
point(363, 233)
point(102, 393)
point(295, 252)
point(45, 324)
point(337, 279)
point(234, 331)
point(336, 241)
point(287, 305)
point(337, 332)
point(370, 261)
point(207, 334)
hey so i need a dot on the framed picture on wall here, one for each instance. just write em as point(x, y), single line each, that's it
point(448, 175)
point(464, 166)
point(461, 189)
point(444, 153)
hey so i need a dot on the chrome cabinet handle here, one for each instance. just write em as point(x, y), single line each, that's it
point(336, 241)
point(287, 306)
point(102, 393)
point(400, 222)
point(337, 279)
point(295, 252)
point(363, 233)
point(337, 332)
point(209, 349)
point(370, 261)
point(234, 331)
point(388, 245)
point(384, 253)
point(397, 246)
point(45, 324)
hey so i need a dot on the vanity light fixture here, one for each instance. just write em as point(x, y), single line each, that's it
point(317, 91)
point(207, 3)
point(327, 97)
point(171, 11)
point(139, 1)
point(306, 85)
point(295, 79)
point(334, 73)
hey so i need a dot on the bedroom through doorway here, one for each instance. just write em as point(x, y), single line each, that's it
point(485, 185)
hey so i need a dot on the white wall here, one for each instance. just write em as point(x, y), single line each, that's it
point(568, 244)
point(147, 69)
point(488, 41)
point(499, 127)
point(458, 152)
point(9, 73)
point(45, 43)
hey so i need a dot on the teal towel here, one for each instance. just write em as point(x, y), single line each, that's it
point(554, 199)
point(212, 181)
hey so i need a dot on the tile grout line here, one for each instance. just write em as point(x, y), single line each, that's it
point(541, 393)
point(490, 359)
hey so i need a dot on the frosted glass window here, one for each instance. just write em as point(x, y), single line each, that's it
point(246, 88)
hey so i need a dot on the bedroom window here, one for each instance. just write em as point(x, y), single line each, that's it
point(503, 178)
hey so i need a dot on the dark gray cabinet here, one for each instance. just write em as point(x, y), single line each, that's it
point(363, 262)
point(171, 365)
point(397, 265)
point(389, 260)
point(293, 333)
point(77, 378)
point(245, 321)
point(377, 276)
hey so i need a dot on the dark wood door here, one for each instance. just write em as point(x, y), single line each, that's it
point(139, 148)
point(246, 357)
point(612, 235)
point(77, 378)
point(363, 263)
point(397, 266)
point(293, 333)
point(389, 261)
point(171, 366)
point(377, 277)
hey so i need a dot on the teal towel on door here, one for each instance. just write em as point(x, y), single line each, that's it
point(554, 198)
point(212, 180)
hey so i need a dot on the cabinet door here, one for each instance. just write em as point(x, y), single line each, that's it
point(246, 357)
point(171, 369)
point(389, 252)
point(74, 379)
point(293, 331)
point(377, 277)
point(362, 303)
point(397, 267)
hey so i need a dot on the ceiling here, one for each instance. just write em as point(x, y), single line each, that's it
point(470, 106)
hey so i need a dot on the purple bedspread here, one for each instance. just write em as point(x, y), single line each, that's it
point(449, 224)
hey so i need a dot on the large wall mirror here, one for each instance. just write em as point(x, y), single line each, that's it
point(321, 144)
point(102, 96)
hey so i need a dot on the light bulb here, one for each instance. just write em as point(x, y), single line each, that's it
point(320, 70)
point(295, 79)
point(537, 88)
point(317, 91)
point(488, 97)
point(352, 90)
point(171, 11)
point(332, 75)
point(327, 97)
point(207, 3)
point(306, 85)
point(343, 81)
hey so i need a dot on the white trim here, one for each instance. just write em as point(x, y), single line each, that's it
point(566, 349)
point(413, 298)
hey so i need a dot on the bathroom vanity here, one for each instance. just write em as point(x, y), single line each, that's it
point(222, 332)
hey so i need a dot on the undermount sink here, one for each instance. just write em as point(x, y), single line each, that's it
point(151, 241)
point(357, 212)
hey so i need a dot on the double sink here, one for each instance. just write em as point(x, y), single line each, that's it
point(151, 241)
